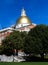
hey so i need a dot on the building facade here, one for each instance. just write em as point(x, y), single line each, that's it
point(23, 23)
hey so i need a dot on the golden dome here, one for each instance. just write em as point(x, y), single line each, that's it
point(23, 20)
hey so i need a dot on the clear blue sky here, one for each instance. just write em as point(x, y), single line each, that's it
point(10, 10)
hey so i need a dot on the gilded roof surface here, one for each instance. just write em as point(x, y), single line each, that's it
point(23, 20)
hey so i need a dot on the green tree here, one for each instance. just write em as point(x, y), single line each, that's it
point(37, 41)
point(1, 49)
point(14, 41)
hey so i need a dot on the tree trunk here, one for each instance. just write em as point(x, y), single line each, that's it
point(16, 52)
point(42, 56)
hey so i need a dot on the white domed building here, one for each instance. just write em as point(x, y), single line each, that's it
point(23, 23)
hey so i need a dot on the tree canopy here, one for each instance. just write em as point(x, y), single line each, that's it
point(33, 42)
point(14, 41)
point(37, 40)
